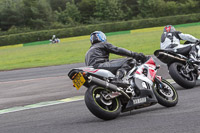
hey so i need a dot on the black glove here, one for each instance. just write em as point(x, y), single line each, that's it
point(146, 59)
point(139, 56)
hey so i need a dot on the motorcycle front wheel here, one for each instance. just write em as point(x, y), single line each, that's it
point(166, 95)
point(177, 72)
point(99, 106)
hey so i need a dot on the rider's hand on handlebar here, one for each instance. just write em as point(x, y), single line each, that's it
point(145, 59)
point(142, 57)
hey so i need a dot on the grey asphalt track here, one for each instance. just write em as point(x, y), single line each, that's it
point(29, 86)
point(75, 118)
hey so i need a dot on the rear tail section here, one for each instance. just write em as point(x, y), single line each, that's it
point(168, 57)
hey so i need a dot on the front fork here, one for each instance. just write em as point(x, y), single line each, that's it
point(159, 82)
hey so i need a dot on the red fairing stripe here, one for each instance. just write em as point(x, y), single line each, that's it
point(137, 72)
point(152, 73)
point(150, 61)
point(159, 77)
point(89, 70)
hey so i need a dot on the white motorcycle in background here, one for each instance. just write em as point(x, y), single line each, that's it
point(182, 71)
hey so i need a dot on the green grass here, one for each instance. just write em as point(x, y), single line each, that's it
point(74, 52)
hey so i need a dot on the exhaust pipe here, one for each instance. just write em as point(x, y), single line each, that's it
point(105, 84)
point(172, 56)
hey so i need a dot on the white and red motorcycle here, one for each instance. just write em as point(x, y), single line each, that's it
point(107, 100)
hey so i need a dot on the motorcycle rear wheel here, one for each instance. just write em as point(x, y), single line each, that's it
point(100, 107)
point(178, 77)
point(167, 97)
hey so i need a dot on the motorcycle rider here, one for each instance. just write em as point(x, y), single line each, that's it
point(98, 56)
point(170, 39)
point(53, 39)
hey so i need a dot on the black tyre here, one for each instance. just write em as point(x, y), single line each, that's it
point(166, 96)
point(100, 107)
point(177, 73)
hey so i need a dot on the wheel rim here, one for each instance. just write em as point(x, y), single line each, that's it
point(185, 75)
point(168, 93)
point(106, 105)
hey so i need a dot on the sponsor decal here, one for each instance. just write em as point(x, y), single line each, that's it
point(144, 85)
point(140, 100)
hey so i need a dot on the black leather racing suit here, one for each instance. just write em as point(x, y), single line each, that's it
point(98, 57)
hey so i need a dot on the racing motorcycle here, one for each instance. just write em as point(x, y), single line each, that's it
point(107, 100)
point(183, 72)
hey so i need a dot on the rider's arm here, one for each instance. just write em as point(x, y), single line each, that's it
point(117, 50)
point(165, 42)
point(187, 37)
point(124, 52)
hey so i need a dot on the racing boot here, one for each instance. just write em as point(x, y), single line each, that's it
point(193, 58)
point(118, 78)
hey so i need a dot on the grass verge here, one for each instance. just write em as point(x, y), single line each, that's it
point(74, 51)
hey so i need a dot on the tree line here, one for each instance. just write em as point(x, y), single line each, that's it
point(28, 15)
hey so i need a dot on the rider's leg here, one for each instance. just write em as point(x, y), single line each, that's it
point(122, 72)
point(190, 49)
point(112, 65)
point(194, 57)
point(193, 54)
point(118, 67)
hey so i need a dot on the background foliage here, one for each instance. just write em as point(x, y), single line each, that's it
point(29, 15)
point(105, 27)
point(23, 21)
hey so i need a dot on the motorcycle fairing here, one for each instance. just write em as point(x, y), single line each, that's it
point(148, 69)
point(131, 105)
point(143, 86)
point(92, 71)
point(151, 62)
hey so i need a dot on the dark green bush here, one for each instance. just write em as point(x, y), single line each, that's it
point(105, 27)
